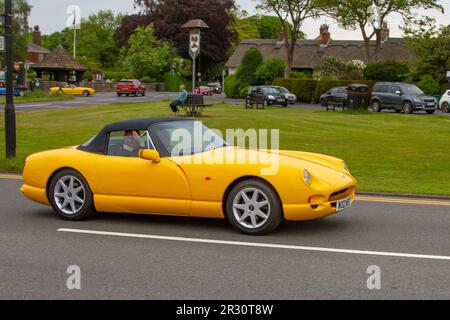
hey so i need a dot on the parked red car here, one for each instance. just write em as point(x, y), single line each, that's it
point(130, 87)
point(206, 91)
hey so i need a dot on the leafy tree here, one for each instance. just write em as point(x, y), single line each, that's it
point(331, 68)
point(432, 48)
point(269, 27)
point(148, 56)
point(429, 85)
point(291, 14)
point(21, 11)
point(357, 14)
point(246, 73)
point(246, 28)
point(387, 71)
point(167, 17)
point(269, 70)
point(95, 43)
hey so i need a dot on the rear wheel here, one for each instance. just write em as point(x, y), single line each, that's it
point(376, 106)
point(119, 94)
point(70, 196)
point(445, 107)
point(85, 93)
point(407, 108)
point(253, 208)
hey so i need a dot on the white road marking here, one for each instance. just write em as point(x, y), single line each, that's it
point(254, 244)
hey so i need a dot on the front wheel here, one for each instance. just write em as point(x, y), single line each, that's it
point(445, 107)
point(407, 108)
point(85, 93)
point(70, 196)
point(253, 208)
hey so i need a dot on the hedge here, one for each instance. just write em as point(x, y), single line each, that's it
point(309, 90)
point(172, 82)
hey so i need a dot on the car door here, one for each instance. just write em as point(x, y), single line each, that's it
point(332, 96)
point(394, 98)
point(136, 185)
point(341, 96)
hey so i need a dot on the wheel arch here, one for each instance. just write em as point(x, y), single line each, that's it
point(49, 180)
point(243, 178)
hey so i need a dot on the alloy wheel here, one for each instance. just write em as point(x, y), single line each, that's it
point(251, 208)
point(69, 194)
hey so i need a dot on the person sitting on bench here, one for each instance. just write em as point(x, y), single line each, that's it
point(180, 100)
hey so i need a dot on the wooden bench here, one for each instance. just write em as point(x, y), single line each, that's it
point(194, 105)
point(255, 99)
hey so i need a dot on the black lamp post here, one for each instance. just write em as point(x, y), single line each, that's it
point(10, 112)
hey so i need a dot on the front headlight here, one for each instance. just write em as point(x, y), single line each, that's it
point(307, 177)
point(417, 100)
point(271, 97)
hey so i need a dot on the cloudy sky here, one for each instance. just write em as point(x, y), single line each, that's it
point(51, 15)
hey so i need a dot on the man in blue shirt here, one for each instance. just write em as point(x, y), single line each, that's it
point(180, 100)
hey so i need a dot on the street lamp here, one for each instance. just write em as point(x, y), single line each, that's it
point(194, 27)
point(10, 112)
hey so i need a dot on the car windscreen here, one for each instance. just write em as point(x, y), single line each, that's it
point(270, 91)
point(181, 138)
point(283, 90)
point(413, 90)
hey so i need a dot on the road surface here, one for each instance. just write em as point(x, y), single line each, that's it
point(152, 257)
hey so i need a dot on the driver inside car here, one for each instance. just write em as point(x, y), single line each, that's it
point(132, 143)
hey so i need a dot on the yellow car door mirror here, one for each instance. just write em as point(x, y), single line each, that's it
point(151, 155)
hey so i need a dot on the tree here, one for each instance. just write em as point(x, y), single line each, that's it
point(148, 56)
point(21, 11)
point(246, 73)
point(269, 70)
point(432, 48)
point(167, 17)
point(429, 85)
point(294, 12)
point(369, 16)
point(336, 69)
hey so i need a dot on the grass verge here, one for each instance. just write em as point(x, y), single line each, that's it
point(385, 152)
point(37, 96)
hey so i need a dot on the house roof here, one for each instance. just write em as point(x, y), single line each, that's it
point(59, 58)
point(308, 53)
point(34, 48)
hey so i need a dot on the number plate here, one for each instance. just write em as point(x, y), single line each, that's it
point(344, 204)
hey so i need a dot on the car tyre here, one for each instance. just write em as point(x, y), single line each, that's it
point(70, 196)
point(143, 93)
point(119, 94)
point(376, 106)
point(254, 208)
point(407, 108)
point(445, 107)
point(85, 93)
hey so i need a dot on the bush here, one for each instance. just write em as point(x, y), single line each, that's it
point(429, 85)
point(269, 70)
point(146, 80)
point(246, 73)
point(387, 71)
point(232, 86)
point(172, 82)
point(302, 88)
point(300, 75)
point(243, 92)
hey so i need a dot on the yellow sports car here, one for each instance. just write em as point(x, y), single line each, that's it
point(143, 166)
point(72, 89)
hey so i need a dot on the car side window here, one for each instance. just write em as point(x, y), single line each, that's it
point(394, 89)
point(381, 88)
point(127, 143)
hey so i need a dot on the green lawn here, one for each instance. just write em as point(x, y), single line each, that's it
point(385, 152)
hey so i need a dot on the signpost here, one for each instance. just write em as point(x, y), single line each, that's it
point(194, 27)
point(10, 112)
point(2, 43)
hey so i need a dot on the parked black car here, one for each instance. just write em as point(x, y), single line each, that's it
point(401, 97)
point(272, 95)
point(336, 96)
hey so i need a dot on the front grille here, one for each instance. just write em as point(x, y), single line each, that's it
point(338, 193)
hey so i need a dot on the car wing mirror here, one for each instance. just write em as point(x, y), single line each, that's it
point(151, 155)
point(398, 92)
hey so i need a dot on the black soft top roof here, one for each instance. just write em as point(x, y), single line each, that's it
point(98, 143)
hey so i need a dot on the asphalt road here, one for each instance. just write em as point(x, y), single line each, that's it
point(151, 257)
point(103, 98)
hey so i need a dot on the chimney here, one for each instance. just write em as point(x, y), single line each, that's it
point(325, 35)
point(37, 36)
point(385, 32)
